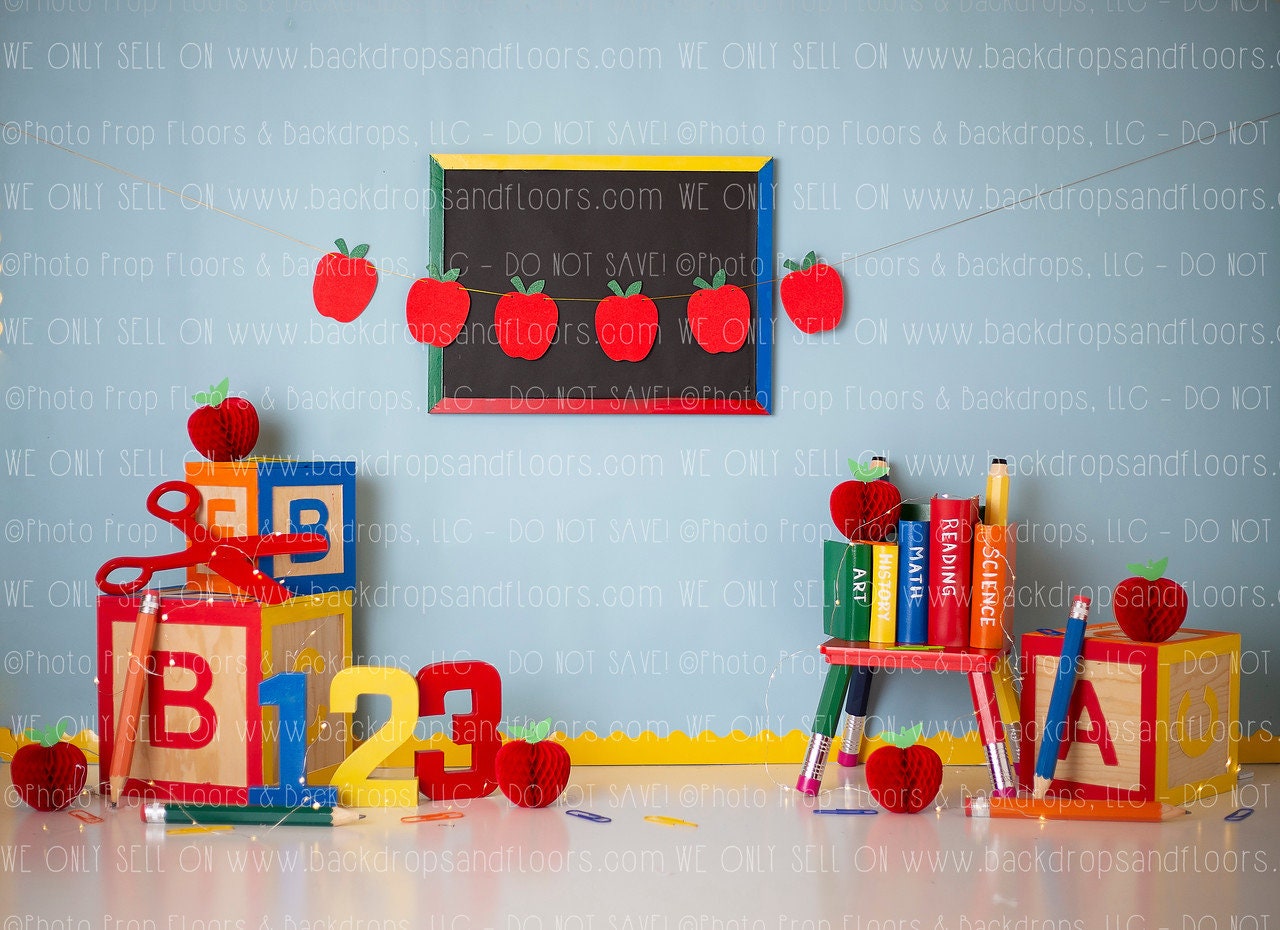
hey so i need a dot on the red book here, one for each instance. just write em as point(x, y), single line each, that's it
point(951, 521)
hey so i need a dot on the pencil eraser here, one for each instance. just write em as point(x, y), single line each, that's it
point(847, 759)
point(808, 786)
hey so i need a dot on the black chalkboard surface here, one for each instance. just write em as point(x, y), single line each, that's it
point(576, 223)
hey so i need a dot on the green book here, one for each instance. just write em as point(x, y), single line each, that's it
point(837, 592)
point(860, 587)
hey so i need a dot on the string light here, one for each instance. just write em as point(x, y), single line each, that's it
point(195, 201)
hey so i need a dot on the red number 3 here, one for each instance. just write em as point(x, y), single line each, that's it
point(478, 729)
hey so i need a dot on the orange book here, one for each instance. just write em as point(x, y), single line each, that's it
point(991, 610)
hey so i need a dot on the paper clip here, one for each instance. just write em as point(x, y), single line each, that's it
point(1238, 814)
point(587, 815)
point(669, 821)
point(210, 828)
point(438, 815)
point(1048, 632)
point(85, 816)
point(845, 810)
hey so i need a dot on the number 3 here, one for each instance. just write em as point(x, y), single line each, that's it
point(479, 729)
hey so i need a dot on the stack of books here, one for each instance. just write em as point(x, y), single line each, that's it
point(945, 580)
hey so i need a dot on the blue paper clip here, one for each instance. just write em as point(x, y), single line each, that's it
point(845, 810)
point(1048, 632)
point(1238, 814)
point(587, 815)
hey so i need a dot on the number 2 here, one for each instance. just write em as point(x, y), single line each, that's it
point(355, 788)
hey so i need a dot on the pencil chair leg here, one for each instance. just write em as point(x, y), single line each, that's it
point(1007, 700)
point(856, 709)
point(825, 722)
point(991, 731)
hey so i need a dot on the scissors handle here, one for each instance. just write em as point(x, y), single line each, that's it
point(145, 566)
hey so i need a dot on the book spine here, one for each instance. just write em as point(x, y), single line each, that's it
point(951, 523)
point(837, 595)
point(991, 613)
point(884, 593)
point(913, 582)
point(860, 585)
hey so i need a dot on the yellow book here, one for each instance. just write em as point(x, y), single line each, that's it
point(884, 592)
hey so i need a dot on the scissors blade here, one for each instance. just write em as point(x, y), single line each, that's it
point(235, 565)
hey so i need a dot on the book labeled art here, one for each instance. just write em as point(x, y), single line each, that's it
point(991, 613)
point(837, 590)
point(862, 556)
point(951, 522)
point(913, 576)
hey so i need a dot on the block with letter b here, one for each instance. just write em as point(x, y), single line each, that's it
point(261, 495)
point(203, 736)
point(1146, 722)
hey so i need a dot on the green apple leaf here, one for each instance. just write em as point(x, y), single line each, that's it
point(616, 288)
point(342, 246)
point(702, 283)
point(1152, 571)
point(904, 737)
point(791, 266)
point(633, 290)
point(719, 279)
point(536, 287)
point(360, 251)
point(451, 275)
point(518, 282)
point(868, 472)
point(810, 260)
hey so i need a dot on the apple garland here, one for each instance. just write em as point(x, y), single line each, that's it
point(525, 320)
point(719, 314)
point(812, 294)
point(437, 307)
point(344, 282)
point(626, 323)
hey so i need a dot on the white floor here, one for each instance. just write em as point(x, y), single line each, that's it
point(758, 859)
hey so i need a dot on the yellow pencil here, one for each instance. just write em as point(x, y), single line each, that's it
point(997, 493)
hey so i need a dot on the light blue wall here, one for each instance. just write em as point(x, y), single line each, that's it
point(1185, 244)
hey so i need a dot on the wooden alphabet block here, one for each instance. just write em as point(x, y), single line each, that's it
point(1147, 721)
point(203, 735)
point(261, 495)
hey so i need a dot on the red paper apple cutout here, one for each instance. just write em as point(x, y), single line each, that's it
point(626, 323)
point(904, 777)
point(1149, 607)
point(525, 320)
point(719, 314)
point(223, 429)
point(49, 774)
point(344, 282)
point(812, 294)
point(866, 508)
point(532, 772)
point(437, 307)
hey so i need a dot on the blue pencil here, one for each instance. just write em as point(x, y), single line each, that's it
point(1055, 720)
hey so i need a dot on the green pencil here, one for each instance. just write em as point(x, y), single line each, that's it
point(247, 815)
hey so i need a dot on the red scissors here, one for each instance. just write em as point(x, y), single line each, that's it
point(235, 558)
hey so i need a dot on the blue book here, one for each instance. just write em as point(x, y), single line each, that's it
point(913, 582)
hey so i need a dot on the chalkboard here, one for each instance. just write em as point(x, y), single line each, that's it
point(576, 223)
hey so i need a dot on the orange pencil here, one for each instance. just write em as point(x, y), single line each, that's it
point(1069, 809)
point(144, 632)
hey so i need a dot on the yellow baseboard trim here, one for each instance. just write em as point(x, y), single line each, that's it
point(736, 748)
